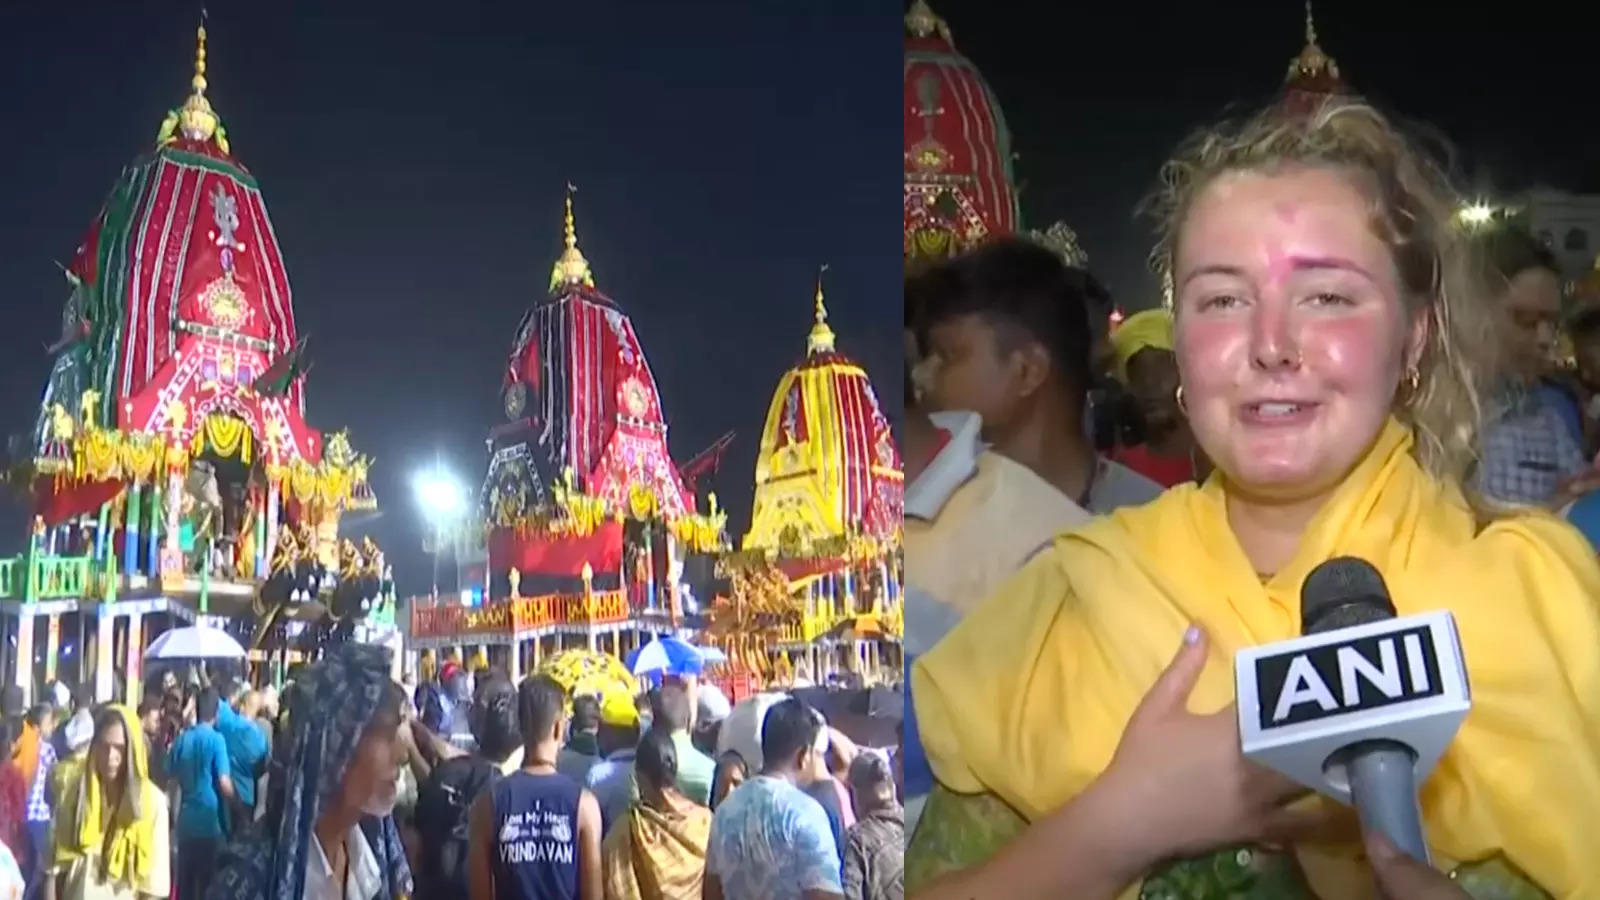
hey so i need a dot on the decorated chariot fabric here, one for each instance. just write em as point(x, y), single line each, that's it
point(1027, 698)
point(334, 701)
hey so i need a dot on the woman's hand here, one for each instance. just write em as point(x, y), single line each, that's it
point(1402, 878)
point(1182, 782)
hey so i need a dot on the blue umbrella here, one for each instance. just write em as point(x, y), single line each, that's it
point(712, 655)
point(669, 655)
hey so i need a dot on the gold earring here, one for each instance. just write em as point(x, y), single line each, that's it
point(1413, 384)
point(1178, 395)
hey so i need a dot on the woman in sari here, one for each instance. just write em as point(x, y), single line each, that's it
point(1328, 328)
point(112, 831)
point(329, 829)
point(658, 850)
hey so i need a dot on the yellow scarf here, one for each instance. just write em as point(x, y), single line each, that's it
point(1027, 698)
point(653, 855)
point(128, 843)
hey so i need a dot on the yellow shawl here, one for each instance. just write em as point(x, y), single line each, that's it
point(1027, 698)
point(80, 829)
point(652, 855)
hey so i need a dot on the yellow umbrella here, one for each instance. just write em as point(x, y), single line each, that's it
point(588, 672)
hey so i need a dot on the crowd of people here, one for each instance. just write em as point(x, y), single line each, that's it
point(628, 797)
point(1343, 368)
point(353, 786)
point(88, 792)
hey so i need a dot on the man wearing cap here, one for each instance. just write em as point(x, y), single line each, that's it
point(611, 779)
point(454, 699)
point(1147, 367)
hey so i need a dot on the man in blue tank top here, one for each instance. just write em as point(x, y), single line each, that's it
point(536, 833)
point(770, 840)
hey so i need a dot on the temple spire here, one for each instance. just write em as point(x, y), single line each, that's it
point(821, 338)
point(571, 269)
point(1312, 64)
point(921, 22)
point(199, 80)
point(195, 120)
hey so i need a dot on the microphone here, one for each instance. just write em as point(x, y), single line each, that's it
point(1363, 705)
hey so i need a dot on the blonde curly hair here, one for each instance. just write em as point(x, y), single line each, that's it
point(1414, 212)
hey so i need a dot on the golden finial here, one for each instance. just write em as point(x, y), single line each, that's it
point(199, 80)
point(1063, 241)
point(1312, 61)
point(571, 268)
point(821, 339)
point(196, 119)
point(921, 22)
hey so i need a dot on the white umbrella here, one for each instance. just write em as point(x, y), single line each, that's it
point(741, 730)
point(712, 655)
point(713, 703)
point(196, 642)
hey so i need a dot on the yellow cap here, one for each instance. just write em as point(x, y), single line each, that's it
point(618, 711)
point(1148, 328)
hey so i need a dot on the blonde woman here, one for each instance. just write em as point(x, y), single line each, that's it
point(1326, 326)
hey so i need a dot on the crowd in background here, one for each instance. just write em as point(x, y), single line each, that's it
point(468, 785)
point(623, 796)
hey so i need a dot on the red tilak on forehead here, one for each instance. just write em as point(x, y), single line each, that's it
point(1280, 265)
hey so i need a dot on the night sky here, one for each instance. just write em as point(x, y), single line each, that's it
point(1097, 98)
point(413, 157)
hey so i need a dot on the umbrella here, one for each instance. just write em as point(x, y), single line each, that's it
point(857, 628)
point(867, 716)
point(671, 655)
point(195, 642)
point(585, 672)
point(741, 730)
point(712, 655)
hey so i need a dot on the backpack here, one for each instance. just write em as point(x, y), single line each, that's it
point(443, 804)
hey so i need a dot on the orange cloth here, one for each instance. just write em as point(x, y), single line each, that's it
point(25, 752)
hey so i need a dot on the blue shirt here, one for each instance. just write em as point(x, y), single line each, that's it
point(1526, 450)
point(247, 747)
point(1565, 405)
point(1585, 516)
point(611, 782)
point(769, 841)
point(823, 792)
point(198, 758)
